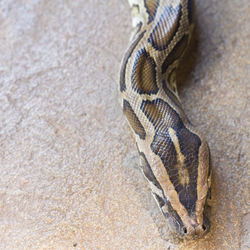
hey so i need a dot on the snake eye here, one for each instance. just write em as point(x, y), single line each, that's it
point(204, 227)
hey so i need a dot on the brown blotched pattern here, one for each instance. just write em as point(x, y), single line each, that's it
point(133, 120)
point(164, 117)
point(144, 74)
point(160, 114)
point(166, 28)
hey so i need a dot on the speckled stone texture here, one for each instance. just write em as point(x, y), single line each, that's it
point(69, 168)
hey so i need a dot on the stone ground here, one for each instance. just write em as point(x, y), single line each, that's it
point(69, 171)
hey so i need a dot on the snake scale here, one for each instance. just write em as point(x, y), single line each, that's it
point(174, 157)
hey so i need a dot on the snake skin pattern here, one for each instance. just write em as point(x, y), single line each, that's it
point(174, 157)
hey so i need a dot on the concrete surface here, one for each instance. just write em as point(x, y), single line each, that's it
point(69, 171)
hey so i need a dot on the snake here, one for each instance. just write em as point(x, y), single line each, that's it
point(174, 156)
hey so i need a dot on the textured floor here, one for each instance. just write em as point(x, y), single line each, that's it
point(69, 171)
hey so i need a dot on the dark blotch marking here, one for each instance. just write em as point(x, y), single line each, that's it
point(175, 54)
point(144, 74)
point(163, 117)
point(177, 222)
point(161, 200)
point(189, 144)
point(148, 171)
point(164, 32)
point(190, 11)
point(133, 120)
point(161, 114)
point(125, 61)
point(151, 7)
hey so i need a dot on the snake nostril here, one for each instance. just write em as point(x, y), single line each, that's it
point(184, 230)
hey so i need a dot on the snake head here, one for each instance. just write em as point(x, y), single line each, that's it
point(180, 181)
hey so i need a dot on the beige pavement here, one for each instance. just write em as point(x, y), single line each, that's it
point(69, 172)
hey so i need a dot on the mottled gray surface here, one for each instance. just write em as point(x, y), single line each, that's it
point(69, 176)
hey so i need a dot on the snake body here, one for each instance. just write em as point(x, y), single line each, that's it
point(174, 157)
